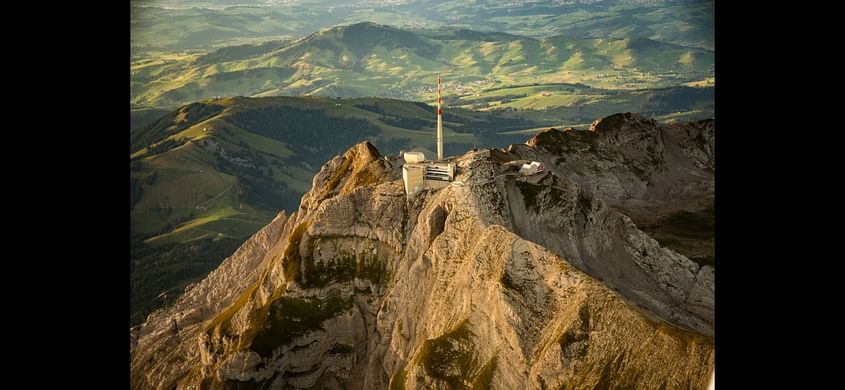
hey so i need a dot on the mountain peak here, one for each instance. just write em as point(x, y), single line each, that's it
point(361, 38)
point(360, 27)
point(368, 288)
point(621, 122)
point(360, 165)
point(615, 128)
point(368, 24)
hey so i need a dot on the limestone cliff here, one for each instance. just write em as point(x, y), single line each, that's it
point(632, 162)
point(496, 281)
point(661, 176)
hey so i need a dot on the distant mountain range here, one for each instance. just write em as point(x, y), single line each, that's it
point(176, 25)
point(368, 59)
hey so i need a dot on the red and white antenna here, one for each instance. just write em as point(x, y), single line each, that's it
point(439, 123)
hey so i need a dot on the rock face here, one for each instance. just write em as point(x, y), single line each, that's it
point(662, 177)
point(632, 163)
point(496, 281)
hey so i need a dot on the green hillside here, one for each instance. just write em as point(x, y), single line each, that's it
point(368, 59)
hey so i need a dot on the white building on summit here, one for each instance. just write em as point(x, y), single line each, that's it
point(530, 169)
point(414, 157)
point(419, 174)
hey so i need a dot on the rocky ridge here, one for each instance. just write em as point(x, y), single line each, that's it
point(497, 281)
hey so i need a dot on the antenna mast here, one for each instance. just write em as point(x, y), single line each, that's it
point(439, 123)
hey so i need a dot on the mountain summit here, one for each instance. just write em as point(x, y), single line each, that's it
point(499, 280)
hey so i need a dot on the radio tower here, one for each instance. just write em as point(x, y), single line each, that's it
point(439, 123)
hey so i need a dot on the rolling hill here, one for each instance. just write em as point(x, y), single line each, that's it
point(368, 59)
point(175, 25)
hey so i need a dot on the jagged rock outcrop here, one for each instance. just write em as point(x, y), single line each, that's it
point(642, 168)
point(496, 281)
point(661, 176)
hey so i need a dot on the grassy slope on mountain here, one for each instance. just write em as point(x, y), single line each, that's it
point(376, 60)
point(158, 29)
point(142, 117)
